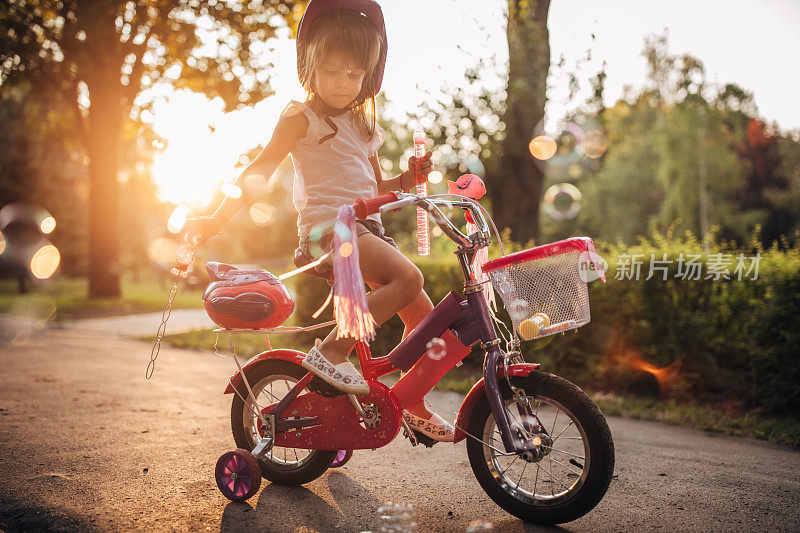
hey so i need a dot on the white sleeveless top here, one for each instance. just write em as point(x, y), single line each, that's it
point(333, 173)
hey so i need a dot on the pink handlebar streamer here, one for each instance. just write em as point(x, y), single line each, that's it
point(350, 309)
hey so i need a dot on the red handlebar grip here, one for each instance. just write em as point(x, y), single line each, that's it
point(364, 208)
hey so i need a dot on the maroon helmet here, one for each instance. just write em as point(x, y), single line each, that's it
point(369, 8)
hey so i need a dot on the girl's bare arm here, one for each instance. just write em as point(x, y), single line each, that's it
point(290, 128)
point(405, 180)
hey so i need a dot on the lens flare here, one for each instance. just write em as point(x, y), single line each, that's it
point(45, 261)
point(562, 202)
point(664, 375)
point(262, 214)
point(178, 219)
point(48, 225)
point(435, 177)
point(543, 147)
point(230, 190)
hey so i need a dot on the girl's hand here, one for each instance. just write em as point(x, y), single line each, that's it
point(199, 230)
point(417, 166)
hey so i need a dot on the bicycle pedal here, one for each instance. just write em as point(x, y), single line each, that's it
point(424, 439)
point(319, 386)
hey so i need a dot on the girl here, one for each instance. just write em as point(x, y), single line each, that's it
point(333, 138)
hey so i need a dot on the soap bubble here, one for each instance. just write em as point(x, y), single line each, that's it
point(396, 518)
point(436, 349)
point(562, 202)
point(518, 309)
point(479, 526)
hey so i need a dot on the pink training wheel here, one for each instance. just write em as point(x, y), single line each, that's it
point(238, 475)
point(341, 458)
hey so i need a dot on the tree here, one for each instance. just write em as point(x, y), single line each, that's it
point(102, 54)
point(514, 183)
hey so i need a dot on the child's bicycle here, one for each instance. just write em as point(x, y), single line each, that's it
point(537, 444)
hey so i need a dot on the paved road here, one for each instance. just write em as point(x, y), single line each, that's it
point(87, 444)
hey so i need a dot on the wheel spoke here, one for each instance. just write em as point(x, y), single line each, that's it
point(553, 478)
point(565, 453)
point(571, 422)
point(565, 467)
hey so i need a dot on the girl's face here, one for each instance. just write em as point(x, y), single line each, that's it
point(338, 80)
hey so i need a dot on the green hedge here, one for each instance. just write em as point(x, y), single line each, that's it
point(731, 341)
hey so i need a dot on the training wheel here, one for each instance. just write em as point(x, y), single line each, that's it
point(238, 475)
point(341, 458)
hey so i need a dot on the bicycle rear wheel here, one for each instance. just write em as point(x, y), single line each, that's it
point(271, 380)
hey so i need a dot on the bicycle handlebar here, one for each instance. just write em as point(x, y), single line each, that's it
point(364, 208)
point(398, 200)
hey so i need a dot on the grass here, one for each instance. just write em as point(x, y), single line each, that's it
point(704, 417)
point(68, 296)
point(461, 379)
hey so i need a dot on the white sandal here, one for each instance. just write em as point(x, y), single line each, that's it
point(435, 427)
point(343, 376)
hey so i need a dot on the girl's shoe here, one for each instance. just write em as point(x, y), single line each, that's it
point(435, 427)
point(343, 376)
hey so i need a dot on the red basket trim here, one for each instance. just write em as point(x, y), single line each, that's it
point(579, 244)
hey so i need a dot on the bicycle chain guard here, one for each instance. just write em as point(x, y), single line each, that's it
point(342, 428)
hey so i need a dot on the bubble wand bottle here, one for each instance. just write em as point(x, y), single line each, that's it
point(423, 237)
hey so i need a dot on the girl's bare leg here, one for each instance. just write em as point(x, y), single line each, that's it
point(392, 278)
point(397, 281)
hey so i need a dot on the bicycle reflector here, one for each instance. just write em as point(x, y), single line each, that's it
point(245, 299)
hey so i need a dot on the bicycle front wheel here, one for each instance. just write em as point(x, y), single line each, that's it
point(572, 467)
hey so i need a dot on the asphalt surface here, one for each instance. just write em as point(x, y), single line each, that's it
point(86, 443)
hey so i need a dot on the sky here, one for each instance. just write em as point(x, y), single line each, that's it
point(432, 42)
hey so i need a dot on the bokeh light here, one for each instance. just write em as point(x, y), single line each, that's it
point(230, 190)
point(178, 218)
point(596, 144)
point(48, 225)
point(45, 261)
point(562, 202)
point(435, 177)
point(255, 184)
point(346, 249)
point(543, 147)
point(262, 214)
point(162, 250)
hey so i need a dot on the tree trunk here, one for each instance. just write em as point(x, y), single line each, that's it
point(517, 182)
point(104, 130)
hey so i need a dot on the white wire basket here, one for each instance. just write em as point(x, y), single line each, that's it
point(544, 289)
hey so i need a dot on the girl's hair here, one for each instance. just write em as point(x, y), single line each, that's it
point(351, 34)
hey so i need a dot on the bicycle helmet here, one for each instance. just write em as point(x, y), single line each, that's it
point(368, 8)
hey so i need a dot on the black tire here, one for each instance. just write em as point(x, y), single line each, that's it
point(287, 471)
point(585, 483)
